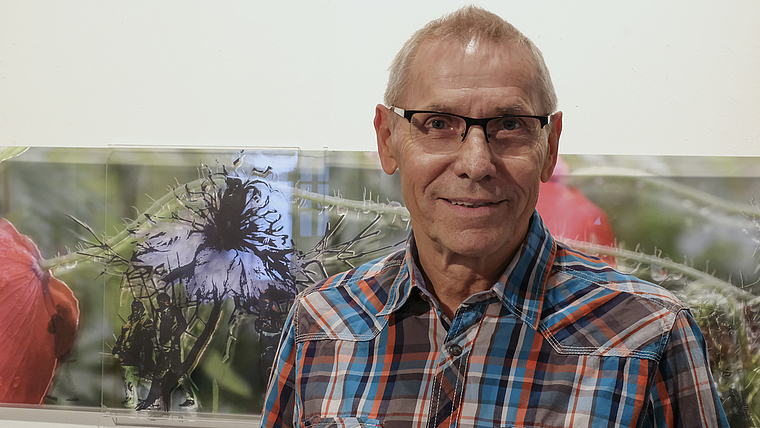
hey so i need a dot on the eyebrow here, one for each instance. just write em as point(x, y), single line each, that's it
point(515, 109)
point(440, 107)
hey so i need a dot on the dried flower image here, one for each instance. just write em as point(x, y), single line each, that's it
point(223, 242)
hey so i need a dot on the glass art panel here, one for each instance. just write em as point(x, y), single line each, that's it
point(152, 283)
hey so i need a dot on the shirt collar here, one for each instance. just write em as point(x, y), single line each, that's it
point(408, 279)
point(521, 287)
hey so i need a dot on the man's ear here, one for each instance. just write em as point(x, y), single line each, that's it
point(550, 161)
point(384, 132)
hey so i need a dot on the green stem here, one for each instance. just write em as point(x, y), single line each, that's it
point(705, 279)
point(165, 204)
point(337, 201)
point(675, 187)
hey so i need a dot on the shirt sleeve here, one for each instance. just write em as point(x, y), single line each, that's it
point(279, 402)
point(684, 393)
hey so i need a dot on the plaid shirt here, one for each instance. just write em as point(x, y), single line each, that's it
point(561, 340)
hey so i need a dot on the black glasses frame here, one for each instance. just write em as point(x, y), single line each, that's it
point(469, 121)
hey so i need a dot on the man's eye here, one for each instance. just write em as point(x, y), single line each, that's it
point(510, 124)
point(438, 123)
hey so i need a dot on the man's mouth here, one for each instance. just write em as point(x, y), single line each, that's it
point(470, 204)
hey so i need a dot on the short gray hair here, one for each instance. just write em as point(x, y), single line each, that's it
point(463, 25)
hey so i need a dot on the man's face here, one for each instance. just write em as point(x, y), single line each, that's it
point(470, 203)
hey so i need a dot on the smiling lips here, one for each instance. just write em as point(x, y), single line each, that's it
point(471, 204)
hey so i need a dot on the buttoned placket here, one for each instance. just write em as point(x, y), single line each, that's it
point(453, 361)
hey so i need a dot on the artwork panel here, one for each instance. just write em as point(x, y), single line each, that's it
point(184, 262)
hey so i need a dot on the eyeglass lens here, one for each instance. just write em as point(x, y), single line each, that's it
point(441, 133)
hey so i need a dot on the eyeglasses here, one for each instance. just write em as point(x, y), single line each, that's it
point(438, 132)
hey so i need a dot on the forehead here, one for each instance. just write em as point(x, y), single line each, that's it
point(480, 76)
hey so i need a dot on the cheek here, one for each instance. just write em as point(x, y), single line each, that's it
point(419, 169)
point(520, 168)
point(524, 176)
point(544, 161)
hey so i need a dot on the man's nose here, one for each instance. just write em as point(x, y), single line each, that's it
point(475, 160)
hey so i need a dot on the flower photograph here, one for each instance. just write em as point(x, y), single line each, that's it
point(159, 281)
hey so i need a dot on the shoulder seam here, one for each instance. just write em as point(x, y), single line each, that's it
point(344, 279)
point(674, 309)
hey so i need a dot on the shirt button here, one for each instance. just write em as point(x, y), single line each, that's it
point(455, 350)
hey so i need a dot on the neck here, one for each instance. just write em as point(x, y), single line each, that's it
point(453, 278)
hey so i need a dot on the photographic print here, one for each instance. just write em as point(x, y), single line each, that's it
point(156, 282)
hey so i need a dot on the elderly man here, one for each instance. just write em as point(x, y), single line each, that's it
point(484, 319)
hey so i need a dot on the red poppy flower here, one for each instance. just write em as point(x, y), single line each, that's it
point(569, 214)
point(39, 316)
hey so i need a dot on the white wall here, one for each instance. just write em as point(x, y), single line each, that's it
point(633, 77)
point(646, 77)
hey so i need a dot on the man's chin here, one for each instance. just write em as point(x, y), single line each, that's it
point(482, 244)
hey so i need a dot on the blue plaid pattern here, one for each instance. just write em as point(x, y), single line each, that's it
point(562, 340)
